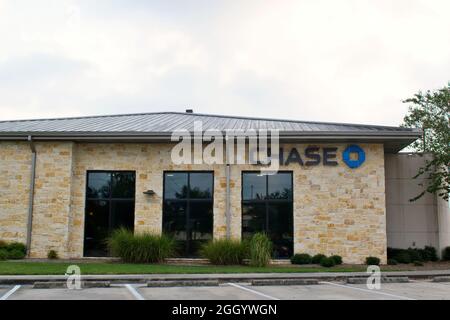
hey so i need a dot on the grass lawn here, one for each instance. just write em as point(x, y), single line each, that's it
point(59, 268)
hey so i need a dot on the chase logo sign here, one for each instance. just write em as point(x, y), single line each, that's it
point(353, 156)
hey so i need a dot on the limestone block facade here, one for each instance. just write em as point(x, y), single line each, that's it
point(337, 210)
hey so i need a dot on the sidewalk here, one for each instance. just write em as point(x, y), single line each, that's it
point(231, 277)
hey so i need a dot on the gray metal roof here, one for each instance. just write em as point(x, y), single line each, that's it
point(163, 123)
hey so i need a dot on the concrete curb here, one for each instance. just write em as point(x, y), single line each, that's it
point(285, 282)
point(183, 283)
point(363, 280)
point(441, 279)
point(63, 284)
point(232, 277)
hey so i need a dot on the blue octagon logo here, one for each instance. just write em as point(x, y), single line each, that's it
point(354, 156)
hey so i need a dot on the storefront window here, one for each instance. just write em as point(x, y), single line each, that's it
point(267, 206)
point(109, 205)
point(188, 209)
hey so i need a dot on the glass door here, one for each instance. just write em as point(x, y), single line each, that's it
point(267, 206)
point(188, 209)
point(109, 205)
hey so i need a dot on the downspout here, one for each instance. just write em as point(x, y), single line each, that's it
point(31, 195)
point(227, 202)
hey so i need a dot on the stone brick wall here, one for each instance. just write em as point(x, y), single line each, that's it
point(337, 210)
point(52, 195)
point(15, 174)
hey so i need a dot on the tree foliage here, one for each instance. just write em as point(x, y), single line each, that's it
point(430, 112)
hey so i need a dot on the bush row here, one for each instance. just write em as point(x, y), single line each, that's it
point(13, 250)
point(412, 255)
point(305, 258)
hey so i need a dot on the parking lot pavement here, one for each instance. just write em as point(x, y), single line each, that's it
point(4, 290)
point(321, 292)
point(113, 293)
point(419, 290)
point(238, 291)
point(222, 292)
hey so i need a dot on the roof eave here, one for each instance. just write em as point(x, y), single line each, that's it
point(393, 141)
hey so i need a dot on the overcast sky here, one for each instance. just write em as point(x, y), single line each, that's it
point(339, 61)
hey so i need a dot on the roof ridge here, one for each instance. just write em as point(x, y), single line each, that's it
point(212, 116)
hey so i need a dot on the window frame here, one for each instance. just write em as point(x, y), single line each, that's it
point(188, 200)
point(266, 201)
point(110, 200)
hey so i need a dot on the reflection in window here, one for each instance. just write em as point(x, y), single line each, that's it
point(175, 185)
point(269, 210)
point(280, 186)
point(99, 185)
point(254, 186)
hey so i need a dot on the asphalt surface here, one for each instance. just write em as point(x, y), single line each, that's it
point(415, 290)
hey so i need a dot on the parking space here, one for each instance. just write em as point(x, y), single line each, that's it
point(222, 292)
point(421, 290)
point(321, 292)
point(4, 290)
point(113, 293)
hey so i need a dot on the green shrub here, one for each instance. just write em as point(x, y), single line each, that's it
point(16, 254)
point(13, 246)
point(391, 252)
point(373, 261)
point(3, 254)
point(301, 258)
point(415, 254)
point(446, 254)
point(337, 259)
point(418, 263)
point(407, 255)
point(52, 254)
point(260, 250)
point(13, 250)
point(224, 252)
point(403, 257)
point(430, 253)
point(327, 262)
point(392, 262)
point(141, 247)
point(318, 258)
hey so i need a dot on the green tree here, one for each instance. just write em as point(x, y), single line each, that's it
point(430, 111)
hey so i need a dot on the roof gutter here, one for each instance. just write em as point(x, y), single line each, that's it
point(167, 137)
point(31, 195)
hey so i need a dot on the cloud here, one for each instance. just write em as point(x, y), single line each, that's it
point(346, 61)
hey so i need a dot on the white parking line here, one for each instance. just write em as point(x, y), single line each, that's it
point(10, 292)
point(252, 291)
point(367, 290)
point(134, 292)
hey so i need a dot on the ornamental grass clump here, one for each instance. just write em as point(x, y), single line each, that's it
point(260, 250)
point(142, 247)
point(224, 251)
